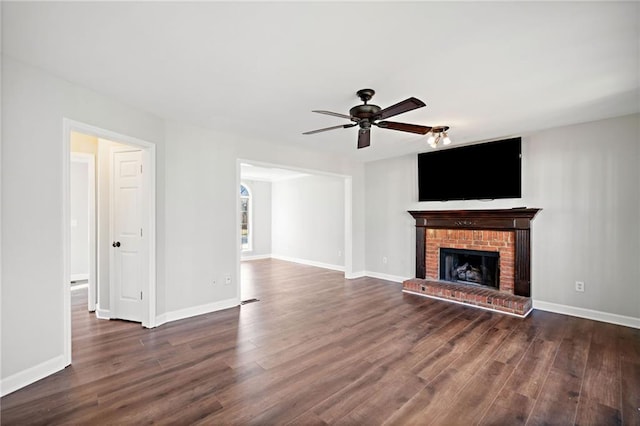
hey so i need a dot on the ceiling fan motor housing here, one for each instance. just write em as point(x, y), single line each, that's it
point(364, 112)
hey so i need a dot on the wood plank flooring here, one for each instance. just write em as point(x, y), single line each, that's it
point(318, 349)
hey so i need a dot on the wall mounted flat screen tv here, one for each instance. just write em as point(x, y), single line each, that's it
point(484, 171)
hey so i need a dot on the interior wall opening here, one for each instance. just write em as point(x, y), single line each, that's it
point(95, 162)
point(294, 215)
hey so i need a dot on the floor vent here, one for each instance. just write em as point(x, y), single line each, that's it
point(244, 302)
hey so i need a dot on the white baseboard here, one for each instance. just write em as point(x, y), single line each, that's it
point(76, 287)
point(354, 275)
point(79, 277)
point(587, 313)
point(309, 262)
point(104, 314)
point(31, 375)
point(196, 310)
point(255, 257)
point(387, 277)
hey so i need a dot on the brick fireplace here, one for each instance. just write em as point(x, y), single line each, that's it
point(504, 234)
point(502, 242)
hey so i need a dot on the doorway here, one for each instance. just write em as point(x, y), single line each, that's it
point(82, 179)
point(141, 206)
point(296, 198)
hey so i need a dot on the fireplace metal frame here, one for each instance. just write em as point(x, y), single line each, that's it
point(484, 254)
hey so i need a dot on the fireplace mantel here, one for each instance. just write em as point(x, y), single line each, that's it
point(517, 220)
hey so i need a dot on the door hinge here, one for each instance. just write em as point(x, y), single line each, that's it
point(140, 295)
point(141, 232)
point(140, 168)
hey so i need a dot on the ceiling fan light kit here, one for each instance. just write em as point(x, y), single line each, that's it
point(366, 115)
point(438, 134)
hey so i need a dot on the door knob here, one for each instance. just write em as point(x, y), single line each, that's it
point(116, 244)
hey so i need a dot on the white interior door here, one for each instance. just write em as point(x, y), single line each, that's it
point(127, 278)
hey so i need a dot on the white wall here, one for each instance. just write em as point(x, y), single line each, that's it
point(79, 212)
point(197, 179)
point(585, 178)
point(261, 218)
point(308, 219)
point(33, 107)
point(201, 200)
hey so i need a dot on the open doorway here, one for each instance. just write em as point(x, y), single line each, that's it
point(82, 209)
point(302, 216)
point(121, 246)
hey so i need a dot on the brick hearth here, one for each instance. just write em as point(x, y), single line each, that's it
point(504, 231)
point(470, 295)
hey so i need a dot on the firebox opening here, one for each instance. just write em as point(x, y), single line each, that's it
point(470, 267)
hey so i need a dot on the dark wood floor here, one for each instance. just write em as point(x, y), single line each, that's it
point(318, 349)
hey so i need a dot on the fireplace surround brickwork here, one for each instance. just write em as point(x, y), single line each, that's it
point(501, 241)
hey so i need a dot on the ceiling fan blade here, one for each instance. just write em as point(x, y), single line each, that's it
point(404, 127)
point(399, 108)
point(364, 138)
point(342, 126)
point(335, 114)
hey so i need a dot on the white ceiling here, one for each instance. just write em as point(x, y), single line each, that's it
point(486, 69)
point(267, 174)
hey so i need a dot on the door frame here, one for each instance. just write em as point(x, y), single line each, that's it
point(149, 181)
point(90, 161)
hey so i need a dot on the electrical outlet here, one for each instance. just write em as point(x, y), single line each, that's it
point(339, 253)
point(384, 260)
point(227, 279)
point(580, 286)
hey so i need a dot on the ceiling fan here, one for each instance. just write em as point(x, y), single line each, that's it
point(367, 115)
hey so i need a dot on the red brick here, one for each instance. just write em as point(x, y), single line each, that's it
point(497, 241)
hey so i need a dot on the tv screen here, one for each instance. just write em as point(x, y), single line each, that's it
point(484, 171)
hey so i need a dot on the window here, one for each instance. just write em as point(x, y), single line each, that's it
point(245, 218)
